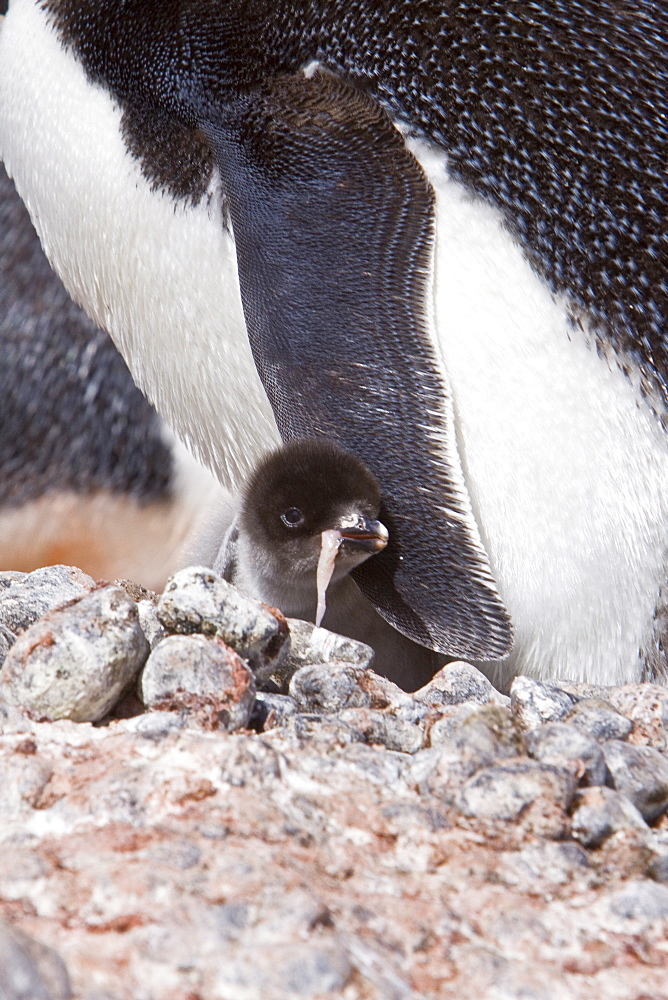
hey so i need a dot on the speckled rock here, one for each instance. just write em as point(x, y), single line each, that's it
point(471, 724)
point(640, 773)
point(74, 663)
point(600, 720)
point(601, 812)
point(505, 790)
point(536, 702)
point(641, 902)
point(7, 640)
point(559, 741)
point(150, 623)
point(202, 676)
point(646, 705)
point(198, 600)
point(29, 970)
point(384, 729)
point(271, 710)
point(330, 687)
point(459, 682)
point(26, 597)
point(552, 863)
point(313, 645)
point(476, 737)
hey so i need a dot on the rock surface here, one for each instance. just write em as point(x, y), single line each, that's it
point(76, 661)
point(354, 843)
point(200, 676)
point(198, 600)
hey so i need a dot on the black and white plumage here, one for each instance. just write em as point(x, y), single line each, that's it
point(308, 515)
point(89, 475)
point(445, 226)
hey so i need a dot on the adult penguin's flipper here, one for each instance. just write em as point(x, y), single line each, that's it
point(333, 222)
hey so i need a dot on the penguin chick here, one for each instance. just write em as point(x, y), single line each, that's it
point(308, 516)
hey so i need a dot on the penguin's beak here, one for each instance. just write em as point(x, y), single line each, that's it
point(364, 536)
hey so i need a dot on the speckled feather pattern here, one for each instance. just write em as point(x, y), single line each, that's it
point(71, 418)
point(555, 112)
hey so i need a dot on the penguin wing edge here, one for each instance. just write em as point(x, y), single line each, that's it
point(333, 223)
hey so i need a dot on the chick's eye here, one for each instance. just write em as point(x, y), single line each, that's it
point(293, 517)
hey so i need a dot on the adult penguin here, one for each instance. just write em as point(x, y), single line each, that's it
point(445, 224)
point(89, 474)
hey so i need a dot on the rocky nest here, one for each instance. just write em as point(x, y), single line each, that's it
point(203, 801)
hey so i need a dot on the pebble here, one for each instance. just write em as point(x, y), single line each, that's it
point(558, 741)
point(310, 644)
point(271, 710)
point(640, 900)
point(640, 773)
point(29, 970)
point(505, 790)
point(150, 623)
point(76, 662)
point(459, 682)
point(471, 743)
point(26, 597)
point(535, 702)
point(600, 720)
point(553, 862)
point(383, 729)
point(198, 600)
point(601, 812)
point(329, 688)
point(7, 640)
point(384, 783)
point(203, 676)
point(472, 724)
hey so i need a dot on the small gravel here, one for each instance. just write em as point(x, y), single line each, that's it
point(601, 812)
point(280, 737)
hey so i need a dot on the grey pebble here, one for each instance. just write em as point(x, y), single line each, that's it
point(30, 970)
point(12, 720)
point(601, 812)
point(7, 640)
point(381, 768)
point(384, 729)
point(600, 720)
point(29, 596)
point(271, 710)
point(640, 900)
point(658, 868)
point(332, 687)
point(199, 675)
point(505, 790)
point(198, 600)
point(157, 726)
point(76, 662)
point(640, 773)
point(535, 702)
point(150, 623)
point(559, 740)
point(310, 644)
point(646, 704)
point(471, 725)
point(323, 732)
point(551, 862)
point(459, 682)
point(475, 739)
point(329, 687)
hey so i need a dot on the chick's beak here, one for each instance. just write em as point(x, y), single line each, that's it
point(366, 535)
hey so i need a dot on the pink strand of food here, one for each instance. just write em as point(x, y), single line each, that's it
point(329, 546)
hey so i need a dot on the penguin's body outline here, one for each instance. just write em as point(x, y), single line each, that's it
point(575, 539)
